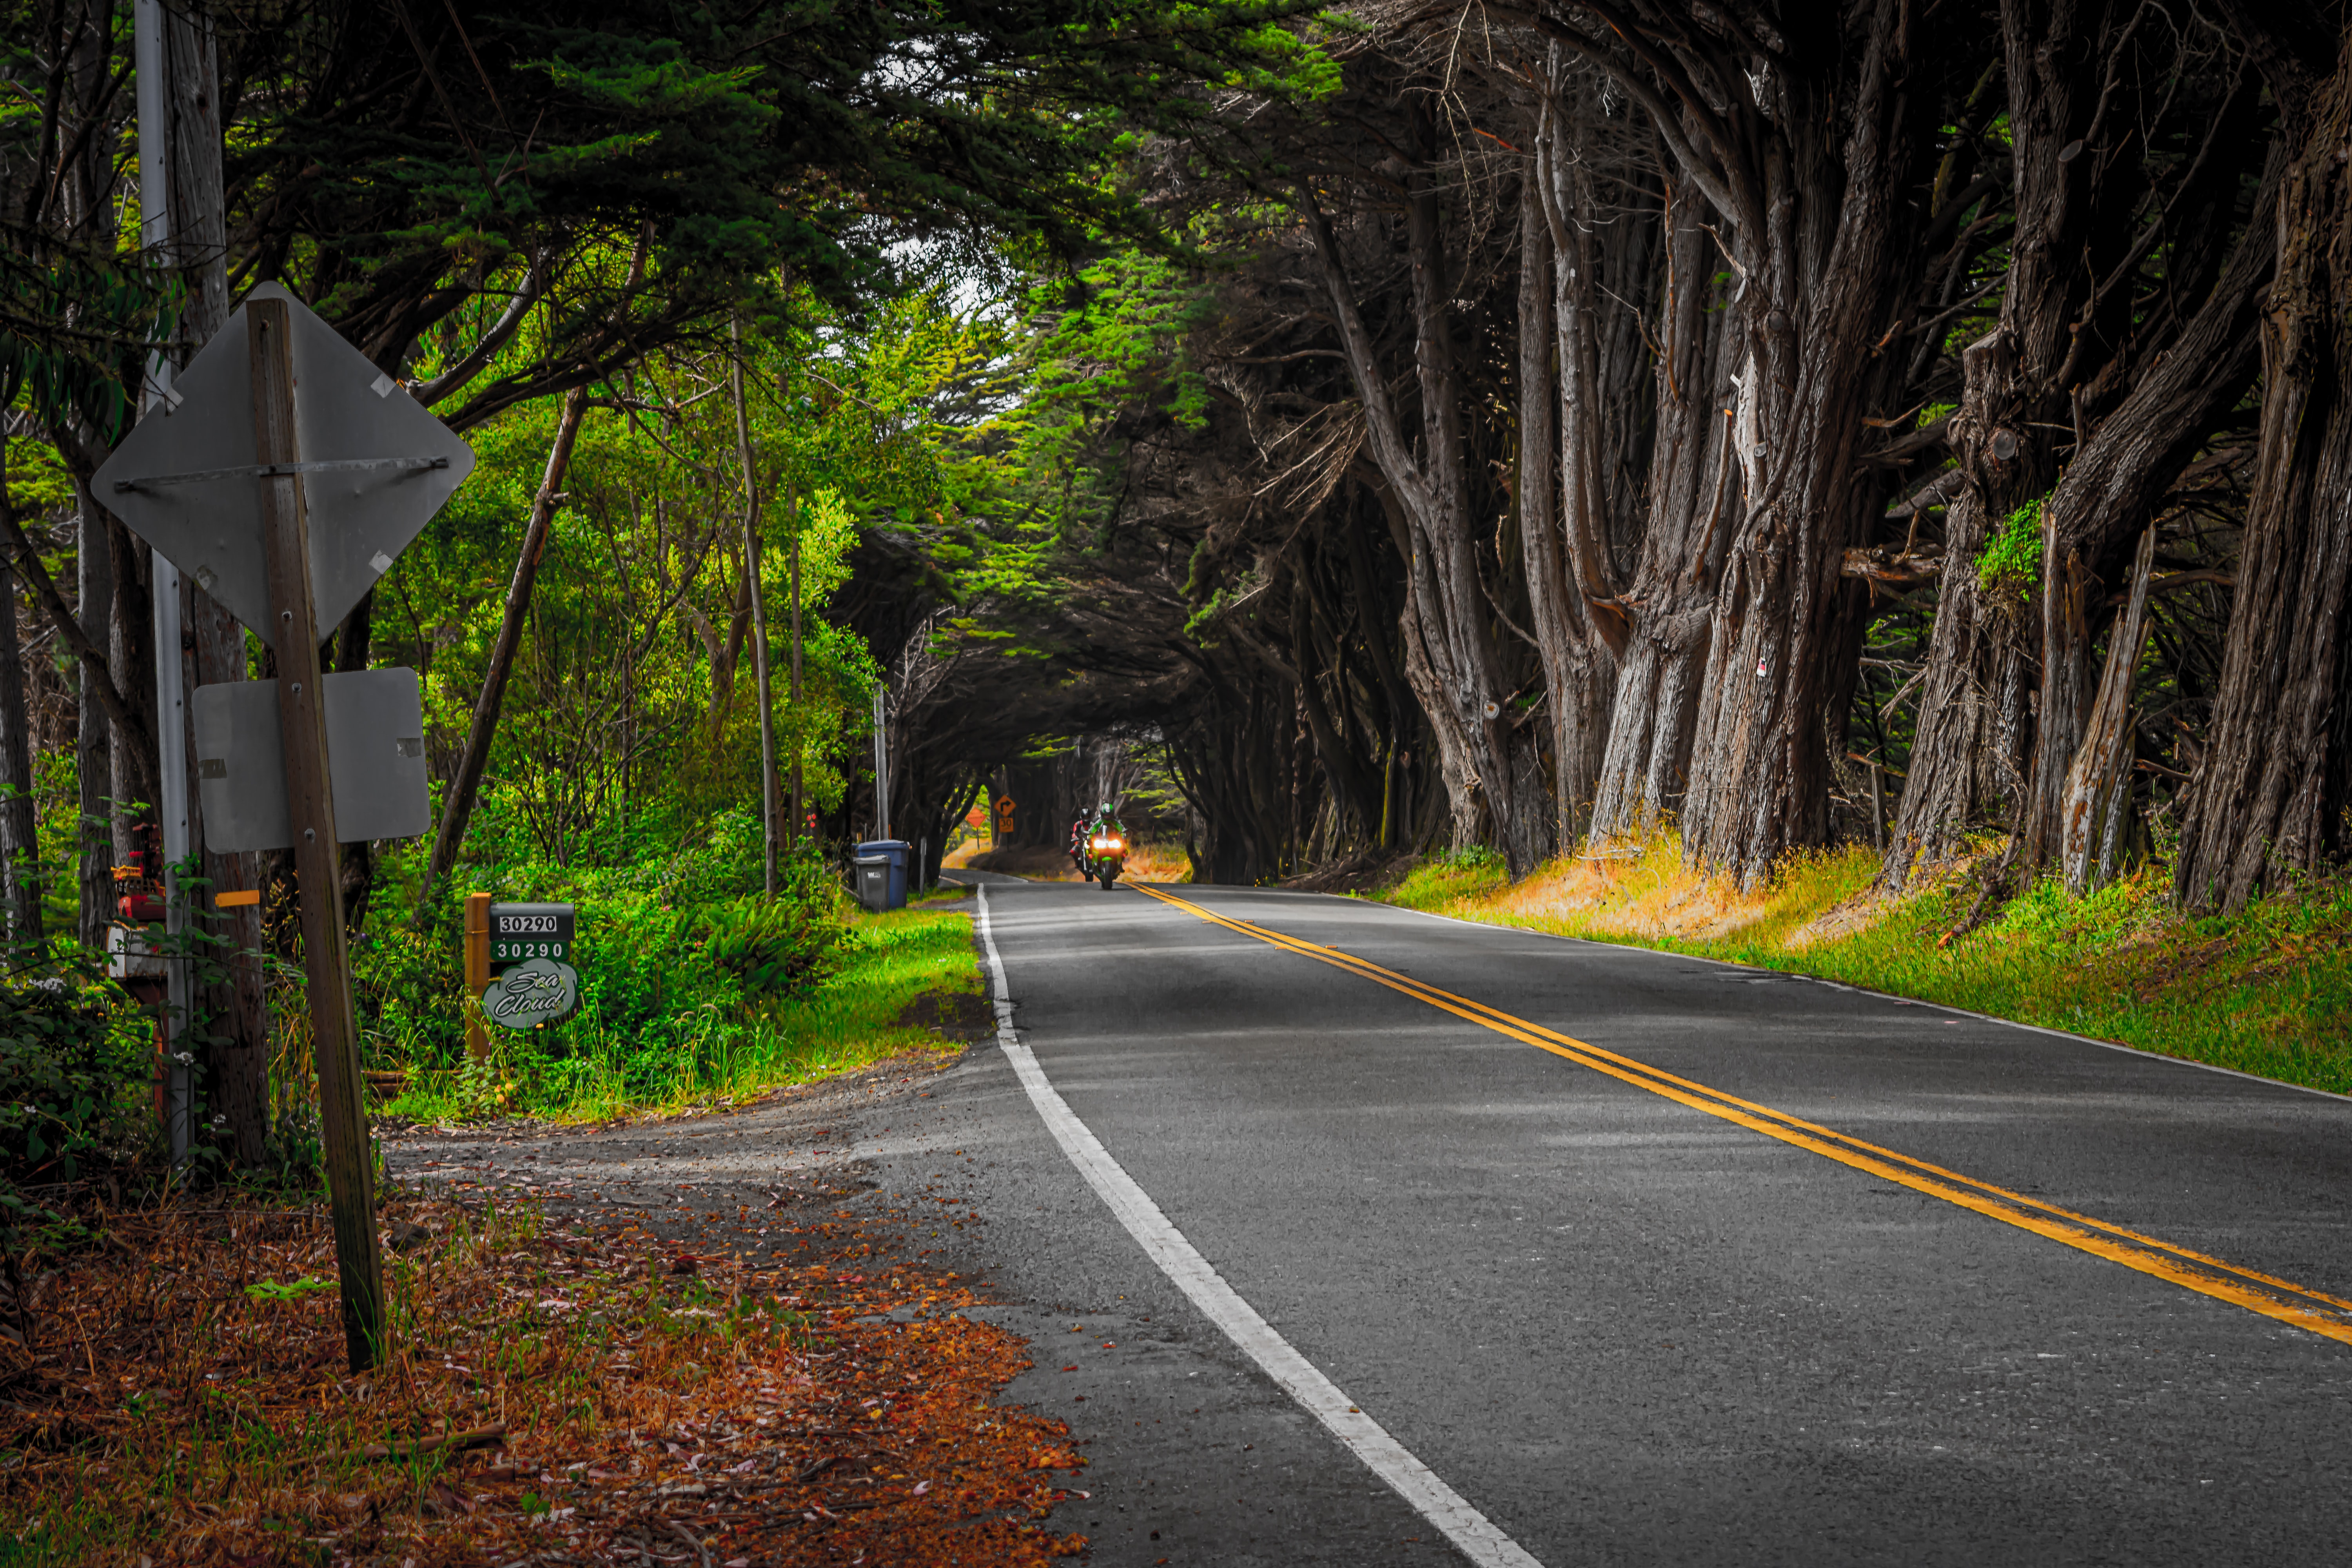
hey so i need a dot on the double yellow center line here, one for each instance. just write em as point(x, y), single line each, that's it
point(2289, 1303)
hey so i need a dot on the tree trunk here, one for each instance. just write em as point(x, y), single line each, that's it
point(82, 190)
point(755, 578)
point(232, 1011)
point(458, 806)
point(1347, 784)
point(1824, 258)
point(2119, 477)
point(2097, 802)
point(131, 655)
point(1971, 746)
point(1579, 671)
point(21, 870)
point(1241, 793)
point(725, 652)
point(356, 866)
point(1969, 749)
point(20, 847)
point(1451, 663)
point(2271, 794)
point(1660, 623)
point(1457, 763)
point(1350, 702)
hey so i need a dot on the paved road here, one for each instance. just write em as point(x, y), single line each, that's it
point(1624, 1329)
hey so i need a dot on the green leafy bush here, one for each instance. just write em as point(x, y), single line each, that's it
point(680, 954)
point(69, 1068)
point(772, 946)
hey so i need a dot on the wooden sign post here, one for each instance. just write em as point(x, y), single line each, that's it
point(309, 799)
point(478, 971)
point(181, 481)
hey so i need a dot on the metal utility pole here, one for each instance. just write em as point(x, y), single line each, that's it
point(881, 761)
point(309, 802)
point(171, 698)
point(768, 824)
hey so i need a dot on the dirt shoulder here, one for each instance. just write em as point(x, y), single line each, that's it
point(905, 1453)
point(676, 1175)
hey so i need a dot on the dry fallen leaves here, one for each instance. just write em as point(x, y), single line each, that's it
point(186, 1384)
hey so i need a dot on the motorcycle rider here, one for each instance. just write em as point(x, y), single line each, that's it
point(1078, 845)
point(1103, 824)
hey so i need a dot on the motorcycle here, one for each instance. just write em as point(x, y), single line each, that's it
point(1106, 856)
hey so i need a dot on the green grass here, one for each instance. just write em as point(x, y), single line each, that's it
point(1440, 883)
point(845, 1022)
point(2267, 992)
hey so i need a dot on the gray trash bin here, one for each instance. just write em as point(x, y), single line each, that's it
point(882, 873)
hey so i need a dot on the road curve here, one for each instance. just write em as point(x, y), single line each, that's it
point(1634, 1323)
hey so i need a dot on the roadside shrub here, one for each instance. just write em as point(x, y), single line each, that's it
point(70, 1065)
point(769, 946)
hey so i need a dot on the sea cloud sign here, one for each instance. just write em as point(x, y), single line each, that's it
point(534, 992)
point(532, 978)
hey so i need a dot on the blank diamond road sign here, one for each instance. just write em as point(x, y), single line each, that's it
point(375, 467)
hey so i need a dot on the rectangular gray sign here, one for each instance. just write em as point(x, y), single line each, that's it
point(375, 759)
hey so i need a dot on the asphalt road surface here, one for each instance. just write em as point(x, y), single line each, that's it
point(1648, 1260)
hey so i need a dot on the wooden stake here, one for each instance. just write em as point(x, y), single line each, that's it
point(310, 800)
point(478, 971)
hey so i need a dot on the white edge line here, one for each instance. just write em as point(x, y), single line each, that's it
point(1478, 1538)
point(2136, 1052)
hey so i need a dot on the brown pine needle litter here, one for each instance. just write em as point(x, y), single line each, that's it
point(554, 1393)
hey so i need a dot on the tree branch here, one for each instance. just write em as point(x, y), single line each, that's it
point(110, 696)
point(535, 284)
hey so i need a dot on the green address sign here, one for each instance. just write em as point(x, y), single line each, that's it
point(533, 980)
point(523, 931)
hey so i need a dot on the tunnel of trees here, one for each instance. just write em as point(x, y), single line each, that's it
point(1801, 424)
point(1529, 426)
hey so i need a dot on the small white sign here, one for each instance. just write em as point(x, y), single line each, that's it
point(537, 991)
